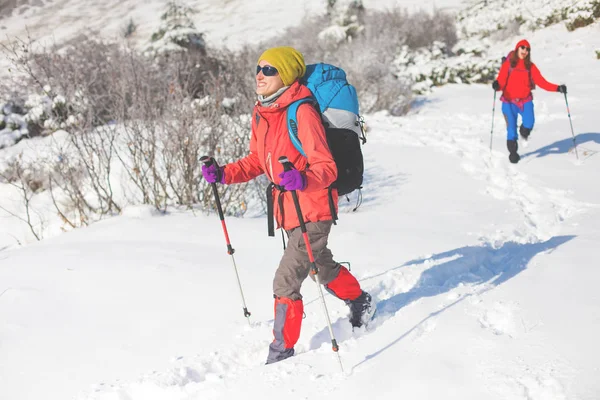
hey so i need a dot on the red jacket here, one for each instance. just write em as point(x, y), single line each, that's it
point(516, 85)
point(270, 140)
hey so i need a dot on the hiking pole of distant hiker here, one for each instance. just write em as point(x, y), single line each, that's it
point(287, 166)
point(493, 113)
point(211, 161)
point(571, 123)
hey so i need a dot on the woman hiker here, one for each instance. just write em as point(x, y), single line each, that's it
point(517, 77)
point(277, 86)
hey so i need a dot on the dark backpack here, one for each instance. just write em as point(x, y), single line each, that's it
point(344, 145)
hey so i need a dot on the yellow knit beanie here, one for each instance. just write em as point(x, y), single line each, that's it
point(288, 61)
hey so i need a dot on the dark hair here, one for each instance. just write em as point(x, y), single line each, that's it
point(514, 58)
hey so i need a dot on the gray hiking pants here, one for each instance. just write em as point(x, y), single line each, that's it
point(294, 266)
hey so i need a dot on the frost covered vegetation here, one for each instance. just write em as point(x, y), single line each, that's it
point(143, 119)
point(134, 122)
point(487, 17)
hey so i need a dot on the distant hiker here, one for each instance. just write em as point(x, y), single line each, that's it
point(277, 86)
point(517, 77)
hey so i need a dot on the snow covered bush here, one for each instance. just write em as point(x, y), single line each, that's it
point(430, 67)
point(34, 115)
point(13, 126)
point(483, 19)
point(577, 15)
point(49, 112)
point(30, 115)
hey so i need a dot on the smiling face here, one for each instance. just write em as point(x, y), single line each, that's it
point(267, 85)
point(522, 52)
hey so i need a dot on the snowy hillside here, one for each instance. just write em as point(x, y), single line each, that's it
point(485, 272)
point(226, 22)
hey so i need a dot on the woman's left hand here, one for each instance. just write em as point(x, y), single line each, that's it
point(292, 180)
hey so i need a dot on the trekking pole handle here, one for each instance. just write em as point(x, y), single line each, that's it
point(208, 161)
point(287, 166)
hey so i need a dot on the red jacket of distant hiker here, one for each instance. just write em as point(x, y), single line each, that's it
point(271, 140)
point(516, 85)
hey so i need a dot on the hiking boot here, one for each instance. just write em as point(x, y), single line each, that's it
point(512, 148)
point(362, 310)
point(276, 355)
point(524, 132)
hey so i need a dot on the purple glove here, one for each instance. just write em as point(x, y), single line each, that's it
point(212, 174)
point(292, 180)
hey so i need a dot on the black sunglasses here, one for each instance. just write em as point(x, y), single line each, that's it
point(267, 70)
point(521, 47)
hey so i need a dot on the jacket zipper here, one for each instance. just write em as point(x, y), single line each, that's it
point(270, 164)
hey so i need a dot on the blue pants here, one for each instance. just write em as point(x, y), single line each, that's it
point(511, 112)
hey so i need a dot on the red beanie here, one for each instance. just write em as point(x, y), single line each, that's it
point(523, 43)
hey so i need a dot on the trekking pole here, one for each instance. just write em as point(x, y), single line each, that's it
point(493, 113)
point(208, 161)
point(571, 123)
point(287, 166)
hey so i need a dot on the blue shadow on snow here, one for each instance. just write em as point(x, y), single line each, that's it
point(563, 146)
point(467, 265)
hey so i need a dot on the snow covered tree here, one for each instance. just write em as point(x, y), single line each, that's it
point(177, 32)
point(345, 18)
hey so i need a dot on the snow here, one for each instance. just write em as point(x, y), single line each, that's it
point(485, 272)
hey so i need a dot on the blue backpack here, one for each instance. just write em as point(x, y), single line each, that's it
point(337, 103)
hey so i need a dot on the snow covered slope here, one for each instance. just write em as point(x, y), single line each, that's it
point(228, 23)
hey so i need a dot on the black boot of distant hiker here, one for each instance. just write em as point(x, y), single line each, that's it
point(525, 132)
point(512, 148)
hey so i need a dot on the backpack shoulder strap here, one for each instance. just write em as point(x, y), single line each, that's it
point(531, 82)
point(292, 122)
point(510, 68)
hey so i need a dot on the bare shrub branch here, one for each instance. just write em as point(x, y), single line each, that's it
point(17, 176)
